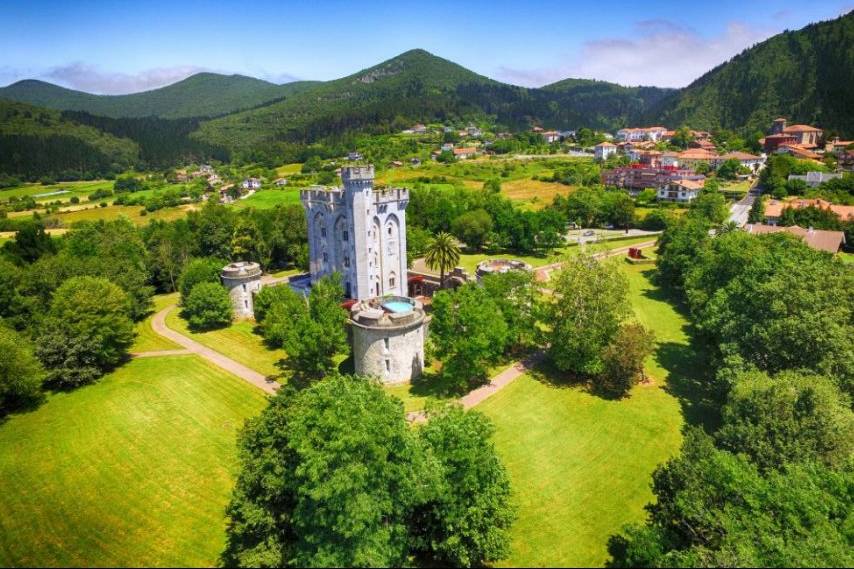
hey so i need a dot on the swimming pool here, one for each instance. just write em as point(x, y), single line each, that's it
point(397, 306)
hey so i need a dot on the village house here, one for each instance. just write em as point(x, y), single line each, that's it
point(797, 151)
point(415, 161)
point(653, 133)
point(813, 179)
point(206, 169)
point(693, 157)
point(819, 239)
point(419, 129)
point(472, 130)
point(747, 160)
point(603, 150)
point(670, 159)
point(214, 180)
point(774, 208)
point(550, 136)
point(281, 182)
point(353, 156)
point(681, 190)
point(805, 135)
point(448, 147)
point(465, 153)
point(251, 184)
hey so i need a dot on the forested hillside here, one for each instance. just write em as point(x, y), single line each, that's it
point(200, 95)
point(418, 86)
point(38, 142)
point(804, 75)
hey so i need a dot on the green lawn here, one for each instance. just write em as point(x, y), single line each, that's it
point(134, 213)
point(70, 189)
point(269, 198)
point(847, 258)
point(238, 341)
point(135, 470)
point(146, 339)
point(581, 465)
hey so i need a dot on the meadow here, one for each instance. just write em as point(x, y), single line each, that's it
point(135, 470)
point(581, 465)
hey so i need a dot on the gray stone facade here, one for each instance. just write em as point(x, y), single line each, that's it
point(388, 345)
point(243, 280)
point(359, 233)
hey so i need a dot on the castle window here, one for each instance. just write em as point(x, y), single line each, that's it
point(391, 281)
point(386, 342)
point(388, 366)
point(346, 261)
point(325, 257)
point(246, 303)
point(323, 232)
point(244, 287)
point(389, 229)
point(345, 236)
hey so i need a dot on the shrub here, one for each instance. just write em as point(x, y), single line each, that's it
point(208, 307)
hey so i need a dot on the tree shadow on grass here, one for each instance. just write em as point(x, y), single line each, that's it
point(546, 372)
point(691, 381)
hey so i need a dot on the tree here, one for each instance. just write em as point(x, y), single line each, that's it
point(716, 509)
point(467, 522)
point(21, 374)
point(30, 242)
point(311, 331)
point(468, 333)
point(207, 307)
point(330, 476)
point(589, 302)
point(88, 331)
point(443, 254)
point(678, 248)
point(515, 294)
point(623, 360)
point(786, 419)
point(757, 211)
point(199, 270)
point(729, 170)
point(710, 206)
point(472, 228)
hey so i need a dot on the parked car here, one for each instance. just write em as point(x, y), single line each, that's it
point(589, 233)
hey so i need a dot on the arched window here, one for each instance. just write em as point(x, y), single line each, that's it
point(391, 280)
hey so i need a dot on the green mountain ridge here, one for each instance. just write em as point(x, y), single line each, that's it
point(804, 75)
point(419, 86)
point(200, 95)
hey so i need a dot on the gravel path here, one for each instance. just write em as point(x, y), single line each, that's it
point(158, 323)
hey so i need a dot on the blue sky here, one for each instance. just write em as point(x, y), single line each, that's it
point(119, 47)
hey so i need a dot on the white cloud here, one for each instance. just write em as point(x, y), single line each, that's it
point(658, 52)
point(88, 78)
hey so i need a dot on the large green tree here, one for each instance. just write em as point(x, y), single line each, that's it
point(590, 300)
point(310, 330)
point(199, 270)
point(468, 333)
point(207, 307)
point(788, 418)
point(21, 374)
point(88, 331)
point(467, 521)
point(516, 295)
point(623, 359)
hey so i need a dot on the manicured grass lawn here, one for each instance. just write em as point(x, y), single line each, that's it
point(146, 339)
point(269, 198)
point(238, 341)
point(288, 169)
point(135, 470)
point(78, 189)
point(581, 465)
point(847, 258)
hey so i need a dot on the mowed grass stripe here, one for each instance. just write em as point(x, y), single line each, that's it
point(581, 465)
point(135, 470)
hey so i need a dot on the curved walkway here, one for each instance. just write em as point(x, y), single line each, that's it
point(158, 323)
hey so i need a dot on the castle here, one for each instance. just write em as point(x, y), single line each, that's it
point(360, 233)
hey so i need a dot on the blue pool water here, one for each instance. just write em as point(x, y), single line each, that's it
point(397, 306)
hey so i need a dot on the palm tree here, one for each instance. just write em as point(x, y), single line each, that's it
point(443, 253)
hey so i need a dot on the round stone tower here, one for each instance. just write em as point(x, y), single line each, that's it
point(388, 338)
point(243, 280)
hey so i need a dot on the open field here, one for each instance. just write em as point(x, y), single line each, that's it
point(269, 198)
point(68, 190)
point(134, 213)
point(581, 465)
point(534, 193)
point(289, 169)
point(238, 341)
point(146, 339)
point(135, 470)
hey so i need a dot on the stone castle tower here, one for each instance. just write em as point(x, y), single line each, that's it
point(359, 233)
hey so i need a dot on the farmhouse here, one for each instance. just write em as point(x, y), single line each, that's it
point(774, 208)
point(251, 184)
point(603, 150)
point(682, 190)
point(829, 241)
point(551, 136)
point(465, 153)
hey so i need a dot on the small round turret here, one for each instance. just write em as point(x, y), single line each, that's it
point(243, 280)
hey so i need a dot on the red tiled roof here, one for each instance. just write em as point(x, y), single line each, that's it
point(468, 150)
point(820, 239)
point(801, 128)
point(774, 208)
point(739, 156)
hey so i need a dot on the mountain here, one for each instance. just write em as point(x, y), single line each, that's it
point(37, 142)
point(805, 76)
point(419, 86)
point(200, 95)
